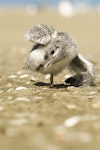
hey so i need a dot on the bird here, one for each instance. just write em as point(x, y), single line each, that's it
point(54, 51)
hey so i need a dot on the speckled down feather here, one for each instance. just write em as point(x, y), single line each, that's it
point(41, 34)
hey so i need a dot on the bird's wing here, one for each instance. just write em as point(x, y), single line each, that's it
point(41, 34)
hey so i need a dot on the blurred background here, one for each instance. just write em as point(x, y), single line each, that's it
point(33, 118)
point(49, 3)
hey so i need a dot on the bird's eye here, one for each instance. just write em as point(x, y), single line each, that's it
point(52, 52)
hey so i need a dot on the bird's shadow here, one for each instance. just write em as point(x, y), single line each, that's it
point(56, 86)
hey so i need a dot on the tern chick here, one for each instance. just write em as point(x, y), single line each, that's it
point(53, 51)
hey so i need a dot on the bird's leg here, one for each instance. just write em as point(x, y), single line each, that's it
point(51, 80)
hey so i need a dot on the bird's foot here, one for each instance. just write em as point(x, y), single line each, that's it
point(75, 80)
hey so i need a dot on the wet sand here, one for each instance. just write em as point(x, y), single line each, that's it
point(34, 116)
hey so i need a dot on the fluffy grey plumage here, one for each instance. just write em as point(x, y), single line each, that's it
point(41, 34)
point(59, 53)
point(84, 72)
point(53, 52)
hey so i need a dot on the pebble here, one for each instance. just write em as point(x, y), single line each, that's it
point(20, 88)
point(18, 122)
point(9, 90)
point(70, 87)
point(70, 106)
point(9, 97)
point(22, 99)
point(67, 76)
point(47, 77)
point(93, 93)
point(12, 76)
point(38, 98)
point(19, 72)
point(33, 79)
point(27, 82)
point(24, 76)
point(72, 121)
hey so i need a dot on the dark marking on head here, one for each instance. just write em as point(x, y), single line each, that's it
point(38, 68)
point(36, 47)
